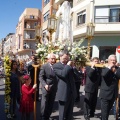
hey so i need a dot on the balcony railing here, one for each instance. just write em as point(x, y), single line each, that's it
point(107, 19)
point(28, 37)
point(29, 27)
point(31, 17)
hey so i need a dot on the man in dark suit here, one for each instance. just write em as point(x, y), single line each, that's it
point(91, 88)
point(48, 81)
point(109, 86)
point(66, 86)
point(77, 77)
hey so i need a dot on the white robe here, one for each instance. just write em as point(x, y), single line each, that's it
point(64, 25)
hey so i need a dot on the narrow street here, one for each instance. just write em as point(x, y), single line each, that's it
point(78, 109)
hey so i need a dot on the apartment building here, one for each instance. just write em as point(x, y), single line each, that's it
point(25, 32)
point(106, 17)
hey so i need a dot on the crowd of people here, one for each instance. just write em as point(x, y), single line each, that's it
point(61, 81)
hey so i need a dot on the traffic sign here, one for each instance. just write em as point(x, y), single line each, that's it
point(118, 49)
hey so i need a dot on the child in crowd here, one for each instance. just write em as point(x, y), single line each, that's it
point(26, 104)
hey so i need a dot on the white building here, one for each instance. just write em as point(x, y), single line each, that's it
point(9, 43)
point(106, 16)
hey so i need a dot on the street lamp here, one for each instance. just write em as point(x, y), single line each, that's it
point(38, 33)
point(89, 35)
point(52, 25)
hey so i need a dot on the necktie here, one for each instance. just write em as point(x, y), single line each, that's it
point(52, 71)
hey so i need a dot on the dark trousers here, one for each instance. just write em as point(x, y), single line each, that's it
point(47, 104)
point(90, 102)
point(25, 116)
point(106, 106)
point(37, 92)
point(13, 105)
point(77, 84)
point(66, 109)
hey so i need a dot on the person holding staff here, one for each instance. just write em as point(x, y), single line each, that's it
point(26, 104)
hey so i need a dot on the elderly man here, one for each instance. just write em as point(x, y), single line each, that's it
point(48, 80)
point(66, 86)
point(109, 86)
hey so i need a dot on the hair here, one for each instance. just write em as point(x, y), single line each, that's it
point(49, 55)
point(95, 58)
point(61, 53)
point(12, 62)
point(110, 56)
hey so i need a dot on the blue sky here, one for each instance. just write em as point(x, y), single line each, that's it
point(10, 11)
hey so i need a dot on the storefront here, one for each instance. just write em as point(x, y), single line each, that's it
point(103, 46)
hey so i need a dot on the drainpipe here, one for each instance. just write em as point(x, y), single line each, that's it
point(92, 11)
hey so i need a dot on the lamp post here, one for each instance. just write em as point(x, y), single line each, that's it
point(38, 34)
point(89, 35)
point(52, 25)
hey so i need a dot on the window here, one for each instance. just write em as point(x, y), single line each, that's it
point(35, 24)
point(107, 14)
point(46, 2)
point(115, 15)
point(81, 17)
point(31, 17)
point(102, 15)
point(45, 16)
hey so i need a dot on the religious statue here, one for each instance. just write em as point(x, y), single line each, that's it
point(64, 25)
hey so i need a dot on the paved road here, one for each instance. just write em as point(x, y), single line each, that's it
point(78, 109)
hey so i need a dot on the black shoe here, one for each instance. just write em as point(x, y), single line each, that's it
point(87, 117)
point(91, 115)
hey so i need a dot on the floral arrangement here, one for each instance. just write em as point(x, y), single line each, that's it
point(77, 53)
point(42, 51)
point(7, 69)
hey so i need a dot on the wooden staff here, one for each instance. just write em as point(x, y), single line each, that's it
point(117, 101)
point(35, 82)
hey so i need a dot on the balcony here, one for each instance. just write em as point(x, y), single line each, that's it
point(59, 1)
point(31, 17)
point(107, 19)
point(28, 46)
point(29, 36)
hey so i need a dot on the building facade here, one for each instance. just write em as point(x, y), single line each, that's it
point(106, 17)
point(9, 44)
point(25, 32)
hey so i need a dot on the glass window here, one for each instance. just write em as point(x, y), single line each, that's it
point(107, 14)
point(115, 15)
point(102, 15)
point(46, 2)
point(45, 16)
point(81, 17)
